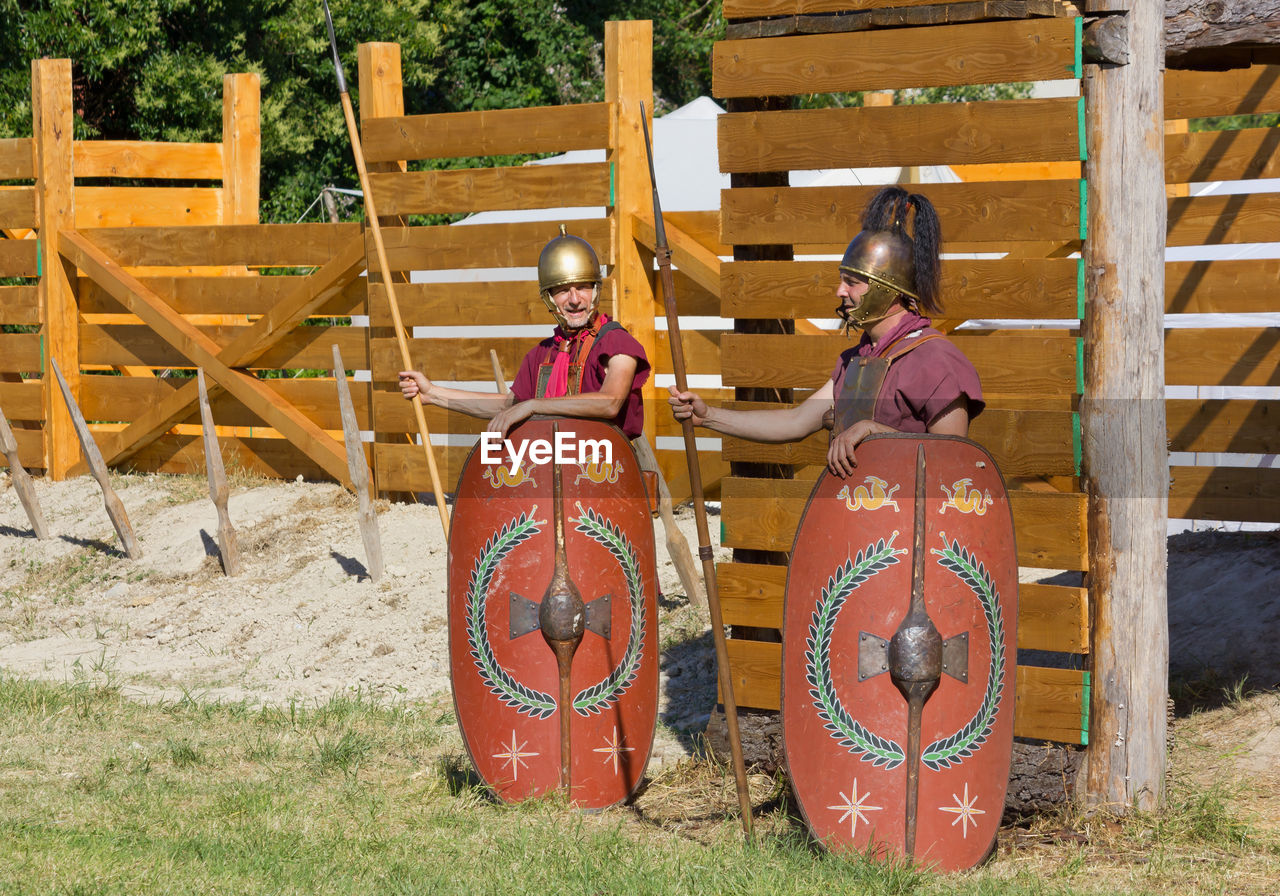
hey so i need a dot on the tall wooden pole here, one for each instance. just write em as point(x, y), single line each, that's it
point(1125, 462)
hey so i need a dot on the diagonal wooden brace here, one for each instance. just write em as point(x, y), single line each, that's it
point(254, 394)
point(696, 261)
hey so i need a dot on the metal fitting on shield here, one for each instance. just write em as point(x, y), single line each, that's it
point(568, 259)
point(886, 261)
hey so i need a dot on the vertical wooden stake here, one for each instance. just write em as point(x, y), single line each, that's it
point(115, 509)
point(241, 148)
point(497, 372)
point(677, 544)
point(218, 489)
point(1122, 414)
point(360, 476)
point(21, 481)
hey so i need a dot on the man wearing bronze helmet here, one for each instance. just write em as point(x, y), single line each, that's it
point(903, 376)
point(589, 367)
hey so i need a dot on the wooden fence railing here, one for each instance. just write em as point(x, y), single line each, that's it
point(1031, 377)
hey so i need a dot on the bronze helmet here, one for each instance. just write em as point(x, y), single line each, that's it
point(567, 259)
point(886, 260)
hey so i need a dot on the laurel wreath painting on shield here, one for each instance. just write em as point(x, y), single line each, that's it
point(503, 684)
point(848, 731)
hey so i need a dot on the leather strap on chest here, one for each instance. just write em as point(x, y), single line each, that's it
point(864, 380)
point(581, 349)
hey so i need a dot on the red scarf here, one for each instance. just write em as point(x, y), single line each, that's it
point(576, 345)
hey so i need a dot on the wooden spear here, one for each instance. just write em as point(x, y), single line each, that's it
point(371, 213)
point(663, 254)
point(497, 372)
point(115, 509)
point(21, 481)
point(219, 492)
point(359, 469)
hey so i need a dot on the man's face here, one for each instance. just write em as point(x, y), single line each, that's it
point(850, 292)
point(574, 301)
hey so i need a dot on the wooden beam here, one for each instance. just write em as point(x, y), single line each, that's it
point(1125, 465)
point(1243, 91)
point(1204, 32)
point(21, 481)
point(309, 438)
point(52, 121)
point(17, 160)
point(695, 260)
point(587, 184)
point(241, 147)
point(142, 159)
point(1222, 155)
point(256, 245)
point(243, 350)
point(897, 16)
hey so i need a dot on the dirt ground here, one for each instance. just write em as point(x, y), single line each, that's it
point(304, 622)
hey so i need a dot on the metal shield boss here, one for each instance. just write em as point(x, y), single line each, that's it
point(899, 652)
point(553, 640)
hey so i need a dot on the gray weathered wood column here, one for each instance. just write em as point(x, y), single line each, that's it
point(1125, 462)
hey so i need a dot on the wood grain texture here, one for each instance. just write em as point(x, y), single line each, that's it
point(18, 257)
point(241, 147)
point(988, 53)
point(1007, 364)
point(488, 189)
point(1248, 356)
point(17, 207)
point(143, 159)
point(256, 245)
point(940, 134)
point(448, 359)
point(1251, 494)
point(1214, 220)
point(17, 158)
point(450, 247)
point(20, 305)
point(701, 352)
point(1232, 425)
point(1239, 91)
point(1006, 212)
point(492, 132)
point(225, 295)
point(22, 400)
point(1222, 155)
point(1221, 287)
point(978, 288)
point(140, 345)
point(148, 206)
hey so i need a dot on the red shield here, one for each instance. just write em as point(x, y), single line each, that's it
point(849, 587)
point(506, 680)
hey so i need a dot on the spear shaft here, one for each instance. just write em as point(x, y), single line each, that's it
point(663, 253)
point(372, 214)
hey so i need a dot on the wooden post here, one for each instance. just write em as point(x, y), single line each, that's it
point(381, 95)
point(1125, 460)
point(219, 492)
point(360, 478)
point(21, 481)
point(628, 83)
point(241, 148)
point(51, 126)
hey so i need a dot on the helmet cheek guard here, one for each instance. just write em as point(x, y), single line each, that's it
point(568, 259)
point(886, 261)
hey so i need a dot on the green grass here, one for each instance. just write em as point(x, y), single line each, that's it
point(101, 795)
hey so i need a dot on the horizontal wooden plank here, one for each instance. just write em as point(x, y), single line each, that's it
point(274, 458)
point(988, 53)
point(248, 295)
point(1043, 130)
point(19, 305)
point(1048, 702)
point(125, 398)
point(491, 132)
point(675, 467)
point(971, 288)
point(17, 207)
point(1006, 363)
point(762, 514)
point(1023, 443)
point(1235, 425)
point(1008, 212)
point(1221, 155)
point(140, 159)
point(701, 352)
point(466, 246)
point(1249, 356)
point(403, 467)
point(21, 352)
point(1241, 91)
point(1216, 220)
point(22, 401)
point(18, 258)
point(301, 348)
point(17, 160)
point(691, 297)
point(450, 359)
point(147, 206)
point(256, 245)
point(1050, 617)
point(750, 9)
point(1238, 286)
point(1249, 494)
point(488, 189)
point(479, 304)
point(30, 450)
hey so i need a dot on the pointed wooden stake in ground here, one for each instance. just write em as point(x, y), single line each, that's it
point(677, 544)
point(218, 489)
point(497, 372)
point(98, 467)
point(21, 481)
point(360, 478)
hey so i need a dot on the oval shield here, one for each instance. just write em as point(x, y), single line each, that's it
point(502, 561)
point(892, 599)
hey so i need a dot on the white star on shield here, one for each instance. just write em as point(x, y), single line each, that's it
point(614, 748)
point(853, 808)
point(964, 811)
point(513, 756)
